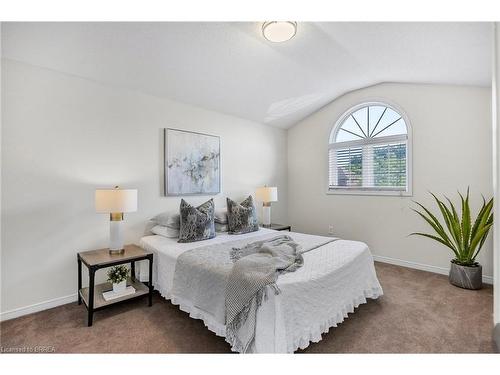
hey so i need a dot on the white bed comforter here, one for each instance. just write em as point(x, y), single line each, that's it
point(335, 279)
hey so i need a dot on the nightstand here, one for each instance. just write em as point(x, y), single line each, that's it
point(277, 227)
point(97, 259)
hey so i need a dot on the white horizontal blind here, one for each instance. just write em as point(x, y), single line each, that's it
point(346, 167)
point(378, 166)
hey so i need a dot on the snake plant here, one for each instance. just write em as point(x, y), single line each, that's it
point(458, 233)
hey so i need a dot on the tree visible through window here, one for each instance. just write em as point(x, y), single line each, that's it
point(368, 151)
point(390, 165)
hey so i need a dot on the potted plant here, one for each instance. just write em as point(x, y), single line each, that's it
point(118, 276)
point(462, 236)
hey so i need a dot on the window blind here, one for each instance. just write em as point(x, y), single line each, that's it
point(369, 166)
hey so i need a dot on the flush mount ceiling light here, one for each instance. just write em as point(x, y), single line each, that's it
point(279, 31)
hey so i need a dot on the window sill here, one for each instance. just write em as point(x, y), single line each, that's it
point(393, 193)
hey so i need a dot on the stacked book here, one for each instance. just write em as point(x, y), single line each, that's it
point(110, 295)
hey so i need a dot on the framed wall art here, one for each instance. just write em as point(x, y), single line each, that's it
point(192, 163)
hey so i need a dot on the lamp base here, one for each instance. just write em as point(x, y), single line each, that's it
point(116, 235)
point(116, 252)
point(266, 214)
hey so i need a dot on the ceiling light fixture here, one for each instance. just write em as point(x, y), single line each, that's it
point(279, 31)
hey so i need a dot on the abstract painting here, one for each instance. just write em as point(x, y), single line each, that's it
point(192, 163)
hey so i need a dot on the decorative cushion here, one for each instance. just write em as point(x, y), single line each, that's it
point(242, 218)
point(168, 219)
point(165, 231)
point(197, 223)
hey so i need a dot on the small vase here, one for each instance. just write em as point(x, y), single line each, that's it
point(120, 287)
point(467, 277)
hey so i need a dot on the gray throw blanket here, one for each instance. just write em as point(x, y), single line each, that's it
point(257, 265)
point(205, 276)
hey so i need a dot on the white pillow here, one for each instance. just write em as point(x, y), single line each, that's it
point(221, 216)
point(165, 231)
point(168, 219)
point(221, 227)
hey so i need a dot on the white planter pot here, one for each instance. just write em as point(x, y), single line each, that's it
point(119, 287)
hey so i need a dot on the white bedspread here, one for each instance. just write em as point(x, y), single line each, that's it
point(334, 280)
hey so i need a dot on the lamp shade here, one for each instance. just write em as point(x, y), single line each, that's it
point(115, 200)
point(267, 194)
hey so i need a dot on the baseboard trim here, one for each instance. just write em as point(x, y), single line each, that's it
point(496, 336)
point(36, 307)
point(422, 267)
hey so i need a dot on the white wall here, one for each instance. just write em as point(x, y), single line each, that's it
point(64, 136)
point(496, 175)
point(451, 150)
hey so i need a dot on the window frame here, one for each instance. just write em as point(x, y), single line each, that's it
point(384, 140)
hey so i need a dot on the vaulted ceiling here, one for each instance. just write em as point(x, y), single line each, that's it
point(231, 68)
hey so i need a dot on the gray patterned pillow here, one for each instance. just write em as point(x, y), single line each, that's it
point(242, 218)
point(197, 223)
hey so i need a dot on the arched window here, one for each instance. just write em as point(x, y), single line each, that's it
point(370, 151)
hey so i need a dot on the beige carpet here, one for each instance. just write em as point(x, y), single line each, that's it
point(419, 313)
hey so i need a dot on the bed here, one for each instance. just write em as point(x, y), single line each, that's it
point(335, 278)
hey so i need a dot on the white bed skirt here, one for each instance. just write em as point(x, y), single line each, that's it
point(264, 340)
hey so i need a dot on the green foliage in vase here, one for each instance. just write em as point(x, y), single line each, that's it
point(117, 274)
point(458, 232)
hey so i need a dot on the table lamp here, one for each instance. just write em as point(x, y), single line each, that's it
point(115, 202)
point(266, 195)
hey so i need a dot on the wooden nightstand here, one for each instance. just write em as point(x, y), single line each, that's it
point(277, 227)
point(97, 259)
